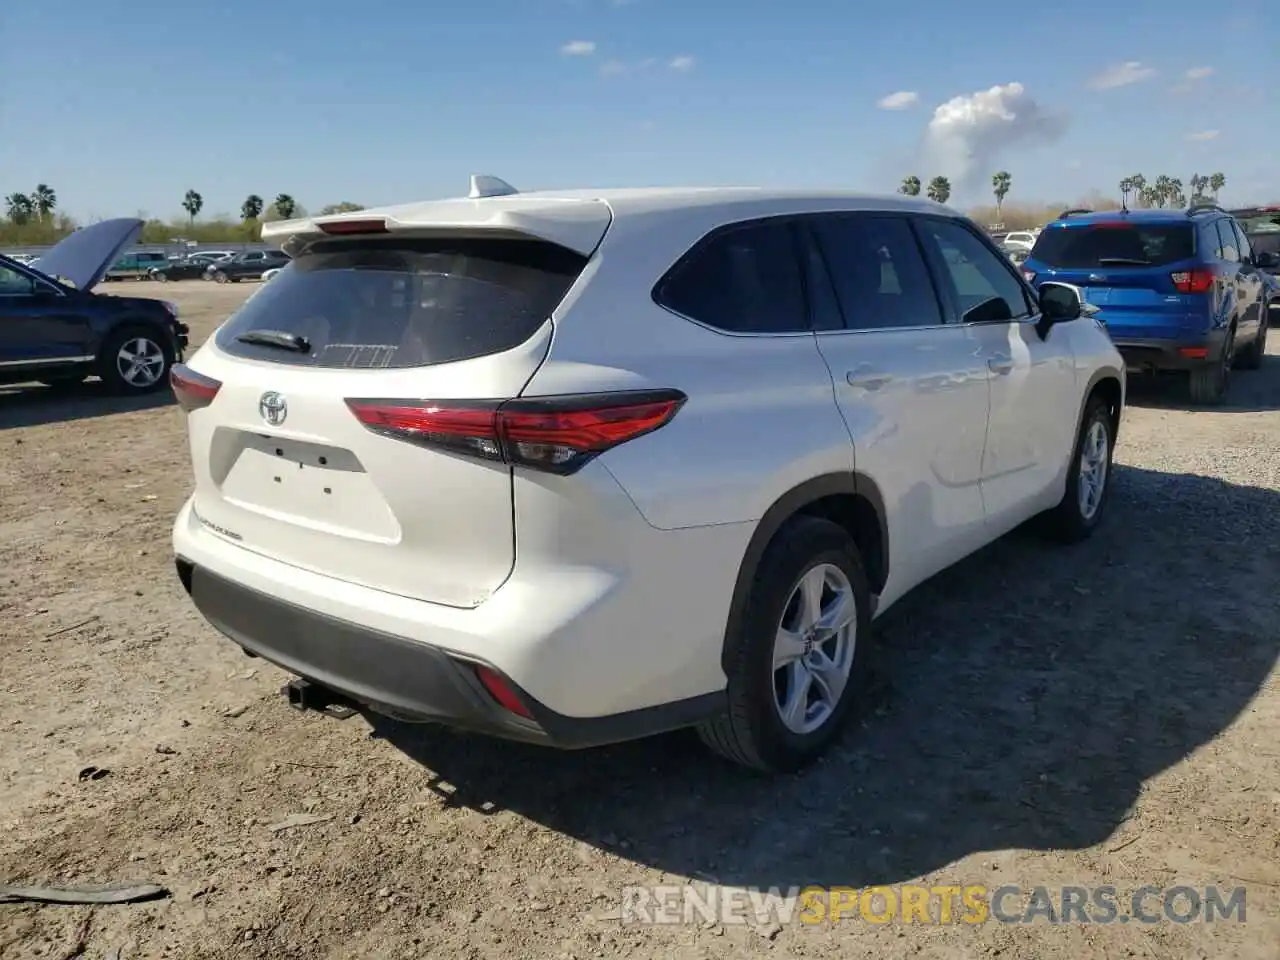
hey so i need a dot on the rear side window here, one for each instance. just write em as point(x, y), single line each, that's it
point(879, 276)
point(984, 284)
point(1093, 245)
point(743, 280)
point(396, 303)
point(1227, 237)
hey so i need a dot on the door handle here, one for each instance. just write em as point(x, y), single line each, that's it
point(867, 381)
point(1000, 365)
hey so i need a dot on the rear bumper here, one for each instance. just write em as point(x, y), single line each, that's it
point(596, 655)
point(404, 678)
point(1152, 354)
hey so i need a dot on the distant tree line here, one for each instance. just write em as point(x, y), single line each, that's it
point(32, 219)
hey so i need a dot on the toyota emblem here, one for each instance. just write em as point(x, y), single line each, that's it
point(273, 408)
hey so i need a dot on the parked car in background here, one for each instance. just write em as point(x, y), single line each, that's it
point(617, 410)
point(136, 266)
point(1016, 254)
point(191, 267)
point(270, 273)
point(1019, 240)
point(1179, 290)
point(54, 329)
point(247, 265)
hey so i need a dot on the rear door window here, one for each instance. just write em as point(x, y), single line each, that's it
point(1088, 246)
point(879, 276)
point(396, 303)
point(745, 279)
point(1227, 238)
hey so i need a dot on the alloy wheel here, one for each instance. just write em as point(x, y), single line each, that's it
point(140, 362)
point(813, 648)
point(1093, 469)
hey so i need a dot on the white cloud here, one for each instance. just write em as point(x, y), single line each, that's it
point(1199, 73)
point(683, 63)
point(901, 100)
point(1203, 135)
point(612, 68)
point(968, 134)
point(579, 48)
point(1122, 75)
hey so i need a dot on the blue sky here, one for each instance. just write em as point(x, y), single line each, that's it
point(122, 107)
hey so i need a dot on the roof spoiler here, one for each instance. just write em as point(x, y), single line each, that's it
point(1073, 213)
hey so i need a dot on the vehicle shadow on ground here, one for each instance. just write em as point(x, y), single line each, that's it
point(1251, 391)
point(1020, 700)
point(34, 405)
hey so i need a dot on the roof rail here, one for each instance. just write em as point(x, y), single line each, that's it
point(1073, 213)
point(1203, 207)
point(483, 185)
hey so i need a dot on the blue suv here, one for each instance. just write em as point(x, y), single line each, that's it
point(1178, 290)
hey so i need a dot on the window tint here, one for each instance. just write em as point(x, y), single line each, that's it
point(745, 280)
point(1242, 242)
point(1210, 242)
point(1113, 244)
point(985, 286)
point(1230, 252)
point(395, 303)
point(880, 278)
point(15, 284)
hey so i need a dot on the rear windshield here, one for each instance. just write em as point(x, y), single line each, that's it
point(395, 303)
point(1089, 246)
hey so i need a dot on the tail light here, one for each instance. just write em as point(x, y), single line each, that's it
point(1198, 280)
point(192, 390)
point(554, 434)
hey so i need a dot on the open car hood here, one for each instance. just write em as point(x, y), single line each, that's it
point(83, 258)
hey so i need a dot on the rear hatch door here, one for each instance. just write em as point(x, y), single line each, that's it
point(1127, 269)
point(283, 466)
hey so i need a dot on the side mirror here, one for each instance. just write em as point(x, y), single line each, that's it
point(1062, 303)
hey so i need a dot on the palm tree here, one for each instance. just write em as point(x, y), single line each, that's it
point(346, 206)
point(285, 205)
point(1197, 183)
point(1126, 187)
point(1163, 189)
point(1138, 184)
point(18, 208)
point(1150, 196)
point(251, 209)
point(1176, 197)
point(910, 186)
point(1216, 182)
point(44, 200)
point(1000, 184)
point(192, 203)
point(940, 189)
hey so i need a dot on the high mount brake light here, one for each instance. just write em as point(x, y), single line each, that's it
point(348, 227)
point(1198, 280)
point(553, 434)
point(192, 390)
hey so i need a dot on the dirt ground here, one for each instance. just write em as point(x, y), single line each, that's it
point(1108, 714)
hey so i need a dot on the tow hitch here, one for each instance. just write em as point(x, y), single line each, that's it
point(305, 695)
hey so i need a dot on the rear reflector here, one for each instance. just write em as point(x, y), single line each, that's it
point(1194, 353)
point(192, 390)
point(347, 227)
point(554, 434)
point(501, 691)
point(1198, 280)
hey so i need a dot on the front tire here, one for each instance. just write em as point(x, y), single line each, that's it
point(135, 360)
point(1250, 358)
point(1083, 503)
point(796, 666)
point(221, 277)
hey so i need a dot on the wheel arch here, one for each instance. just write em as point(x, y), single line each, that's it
point(1108, 383)
point(851, 500)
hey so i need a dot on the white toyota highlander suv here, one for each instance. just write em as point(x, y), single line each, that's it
point(579, 467)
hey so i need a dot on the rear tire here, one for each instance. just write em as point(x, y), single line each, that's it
point(1209, 383)
point(135, 360)
point(1250, 358)
point(1083, 503)
point(790, 692)
point(221, 277)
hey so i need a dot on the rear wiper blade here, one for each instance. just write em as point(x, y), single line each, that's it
point(277, 338)
point(1122, 261)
